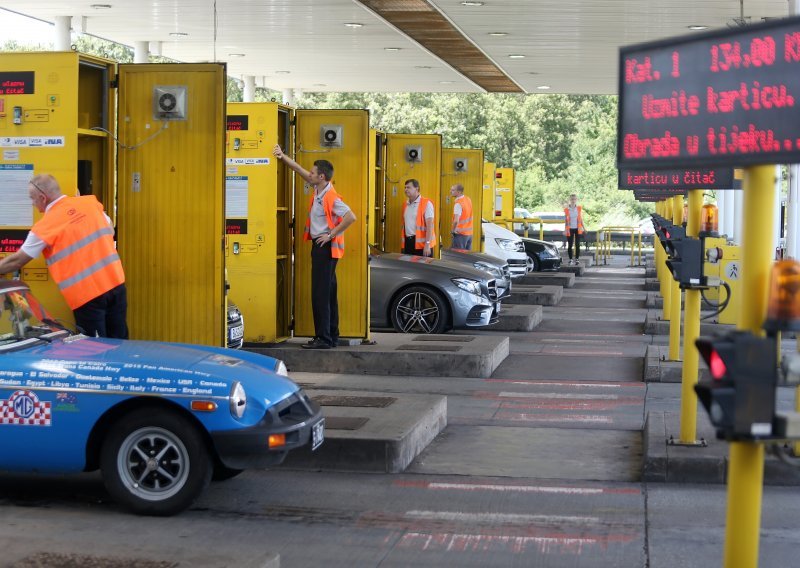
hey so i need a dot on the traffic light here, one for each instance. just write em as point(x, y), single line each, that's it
point(740, 397)
point(685, 260)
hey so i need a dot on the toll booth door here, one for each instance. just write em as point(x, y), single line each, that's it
point(505, 191)
point(489, 185)
point(55, 119)
point(464, 166)
point(411, 156)
point(377, 188)
point(342, 138)
point(171, 200)
point(258, 207)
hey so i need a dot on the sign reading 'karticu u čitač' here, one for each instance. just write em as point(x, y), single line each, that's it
point(683, 179)
point(720, 98)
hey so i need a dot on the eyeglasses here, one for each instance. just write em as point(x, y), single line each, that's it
point(38, 188)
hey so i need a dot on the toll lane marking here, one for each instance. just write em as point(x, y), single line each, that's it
point(507, 394)
point(499, 518)
point(580, 418)
point(596, 406)
point(544, 489)
point(570, 384)
point(460, 542)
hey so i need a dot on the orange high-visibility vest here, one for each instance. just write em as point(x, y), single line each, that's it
point(421, 231)
point(567, 223)
point(80, 251)
point(337, 244)
point(464, 225)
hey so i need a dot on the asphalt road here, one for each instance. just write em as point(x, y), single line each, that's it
point(539, 466)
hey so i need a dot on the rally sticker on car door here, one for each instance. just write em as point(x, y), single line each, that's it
point(23, 408)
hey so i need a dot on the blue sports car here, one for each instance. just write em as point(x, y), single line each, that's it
point(158, 419)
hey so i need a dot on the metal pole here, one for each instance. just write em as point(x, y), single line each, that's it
point(776, 211)
point(632, 245)
point(738, 206)
point(691, 331)
point(249, 95)
point(141, 51)
point(746, 469)
point(676, 298)
point(721, 200)
point(63, 39)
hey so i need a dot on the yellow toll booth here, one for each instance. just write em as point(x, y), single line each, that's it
point(342, 137)
point(489, 185)
point(505, 193)
point(171, 206)
point(464, 166)
point(56, 117)
point(410, 156)
point(258, 215)
point(377, 188)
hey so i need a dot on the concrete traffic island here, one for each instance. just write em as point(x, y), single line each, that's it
point(374, 432)
point(668, 462)
point(654, 325)
point(536, 295)
point(657, 368)
point(652, 284)
point(447, 355)
point(518, 318)
point(563, 279)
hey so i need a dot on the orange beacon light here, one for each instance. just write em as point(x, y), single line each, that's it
point(783, 308)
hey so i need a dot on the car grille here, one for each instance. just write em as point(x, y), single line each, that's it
point(491, 286)
point(517, 262)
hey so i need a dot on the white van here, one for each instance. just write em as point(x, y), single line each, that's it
point(502, 243)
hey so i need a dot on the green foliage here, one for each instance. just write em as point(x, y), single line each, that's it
point(558, 144)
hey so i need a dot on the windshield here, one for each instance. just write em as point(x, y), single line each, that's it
point(23, 318)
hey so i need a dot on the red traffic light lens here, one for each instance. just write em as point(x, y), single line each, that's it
point(717, 366)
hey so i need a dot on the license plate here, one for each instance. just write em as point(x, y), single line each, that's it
point(317, 434)
point(236, 333)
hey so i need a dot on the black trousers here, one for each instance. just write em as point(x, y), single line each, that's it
point(106, 315)
point(410, 246)
point(574, 237)
point(324, 298)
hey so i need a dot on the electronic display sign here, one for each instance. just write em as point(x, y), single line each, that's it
point(659, 195)
point(237, 122)
point(683, 179)
point(235, 226)
point(723, 98)
point(16, 82)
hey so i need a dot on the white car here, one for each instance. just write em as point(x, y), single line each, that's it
point(502, 243)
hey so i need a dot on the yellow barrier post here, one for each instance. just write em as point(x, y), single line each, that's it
point(691, 331)
point(746, 469)
point(675, 294)
point(632, 247)
point(666, 279)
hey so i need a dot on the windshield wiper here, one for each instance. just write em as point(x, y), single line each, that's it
point(57, 325)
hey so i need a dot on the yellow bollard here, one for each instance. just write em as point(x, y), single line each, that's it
point(675, 293)
point(691, 331)
point(746, 469)
point(632, 246)
point(663, 275)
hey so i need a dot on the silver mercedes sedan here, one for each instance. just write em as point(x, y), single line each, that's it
point(414, 294)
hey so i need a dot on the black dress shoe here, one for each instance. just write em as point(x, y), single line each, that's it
point(316, 343)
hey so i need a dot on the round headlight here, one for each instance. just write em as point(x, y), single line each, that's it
point(280, 368)
point(238, 400)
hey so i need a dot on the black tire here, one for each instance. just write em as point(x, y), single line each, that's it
point(420, 309)
point(222, 473)
point(136, 480)
point(534, 263)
